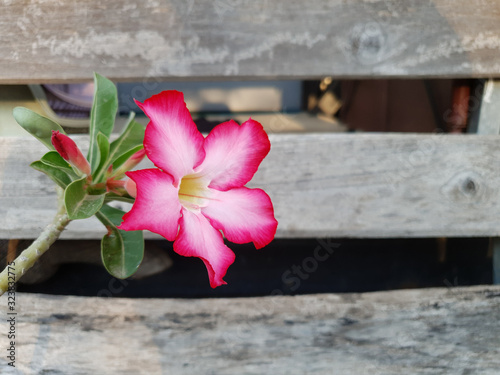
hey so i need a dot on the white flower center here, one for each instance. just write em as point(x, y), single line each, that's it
point(193, 192)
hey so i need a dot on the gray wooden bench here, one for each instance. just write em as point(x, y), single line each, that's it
point(323, 184)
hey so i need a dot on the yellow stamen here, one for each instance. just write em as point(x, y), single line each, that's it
point(193, 192)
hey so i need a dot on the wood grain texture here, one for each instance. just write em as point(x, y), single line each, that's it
point(485, 121)
point(323, 184)
point(127, 40)
point(429, 331)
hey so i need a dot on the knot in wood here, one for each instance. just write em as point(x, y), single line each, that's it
point(469, 186)
point(466, 187)
point(367, 42)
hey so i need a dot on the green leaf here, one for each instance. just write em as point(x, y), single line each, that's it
point(120, 198)
point(79, 203)
point(103, 147)
point(102, 115)
point(125, 156)
point(132, 136)
point(38, 126)
point(58, 176)
point(121, 251)
point(54, 159)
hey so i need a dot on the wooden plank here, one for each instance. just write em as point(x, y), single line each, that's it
point(323, 184)
point(488, 122)
point(429, 331)
point(127, 40)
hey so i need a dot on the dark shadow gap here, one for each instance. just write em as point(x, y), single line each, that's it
point(298, 266)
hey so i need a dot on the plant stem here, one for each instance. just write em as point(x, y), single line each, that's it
point(13, 272)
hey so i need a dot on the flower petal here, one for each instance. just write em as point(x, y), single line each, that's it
point(69, 151)
point(233, 153)
point(197, 238)
point(243, 214)
point(156, 207)
point(131, 188)
point(172, 141)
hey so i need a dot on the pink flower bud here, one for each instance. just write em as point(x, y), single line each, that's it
point(114, 185)
point(131, 188)
point(134, 159)
point(130, 163)
point(117, 186)
point(70, 152)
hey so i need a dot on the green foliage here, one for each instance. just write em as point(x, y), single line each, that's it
point(61, 178)
point(54, 166)
point(102, 116)
point(103, 147)
point(119, 161)
point(79, 203)
point(121, 251)
point(38, 126)
point(129, 142)
point(119, 198)
point(53, 159)
point(131, 137)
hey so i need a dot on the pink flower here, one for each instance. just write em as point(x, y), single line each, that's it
point(70, 152)
point(198, 189)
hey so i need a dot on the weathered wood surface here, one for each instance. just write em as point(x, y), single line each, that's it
point(429, 331)
point(61, 40)
point(485, 120)
point(339, 185)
